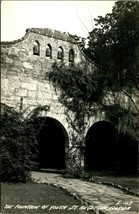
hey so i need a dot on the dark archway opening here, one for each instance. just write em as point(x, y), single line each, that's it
point(100, 147)
point(127, 154)
point(52, 138)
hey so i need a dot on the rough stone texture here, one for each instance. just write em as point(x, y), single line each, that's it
point(23, 75)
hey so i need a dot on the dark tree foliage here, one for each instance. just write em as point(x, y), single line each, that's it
point(17, 145)
point(114, 46)
point(112, 86)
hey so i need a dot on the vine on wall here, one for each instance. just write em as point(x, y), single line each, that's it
point(81, 93)
point(77, 91)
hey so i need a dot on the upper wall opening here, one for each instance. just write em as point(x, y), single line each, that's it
point(71, 55)
point(60, 53)
point(48, 51)
point(36, 48)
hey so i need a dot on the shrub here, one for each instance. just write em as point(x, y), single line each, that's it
point(17, 141)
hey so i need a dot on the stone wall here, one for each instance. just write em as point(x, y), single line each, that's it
point(26, 87)
point(23, 74)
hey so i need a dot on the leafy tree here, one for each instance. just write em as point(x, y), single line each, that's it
point(112, 85)
point(114, 46)
point(114, 49)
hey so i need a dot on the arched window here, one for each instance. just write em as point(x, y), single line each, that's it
point(60, 53)
point(36, 48)
point(71, 55)
point(48, 51)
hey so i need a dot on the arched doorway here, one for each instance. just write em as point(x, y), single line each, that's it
point(52, 139)
point(100, 147)
point(127, 154)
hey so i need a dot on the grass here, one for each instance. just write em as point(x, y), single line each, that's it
point(130, 181)
point(36, 195)
point(45, 196)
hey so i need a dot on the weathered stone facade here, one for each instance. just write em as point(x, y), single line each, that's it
point(23, 72)
point(25, 86)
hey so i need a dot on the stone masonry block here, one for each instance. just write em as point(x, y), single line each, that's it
point(44, 95)
point(38, 65)
point(9, 61)
point(30, 86)
point(21, 92)
point(4, 82)
point(22, 57)
point(27, 65)
point(5, 85)
point(18, 63)
point(44, 86)
point(14, 51)
point(14, 81)
point(32, 94)
point(4, 72)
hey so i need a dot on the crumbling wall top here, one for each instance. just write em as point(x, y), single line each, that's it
point(54, 34)
point(46, 32)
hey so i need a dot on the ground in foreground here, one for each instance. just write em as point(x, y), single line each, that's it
point(37, 198)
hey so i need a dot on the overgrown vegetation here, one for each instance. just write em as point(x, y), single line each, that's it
point(111, 87)
point(18, 145)
point(114, 49)
point(76, 91)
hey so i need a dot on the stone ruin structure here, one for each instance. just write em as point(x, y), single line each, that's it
point(25, 63)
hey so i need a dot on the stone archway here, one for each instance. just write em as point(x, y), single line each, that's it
point(52, 142)
point(100, 147)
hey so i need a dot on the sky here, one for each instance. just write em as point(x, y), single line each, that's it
point(74, 17)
